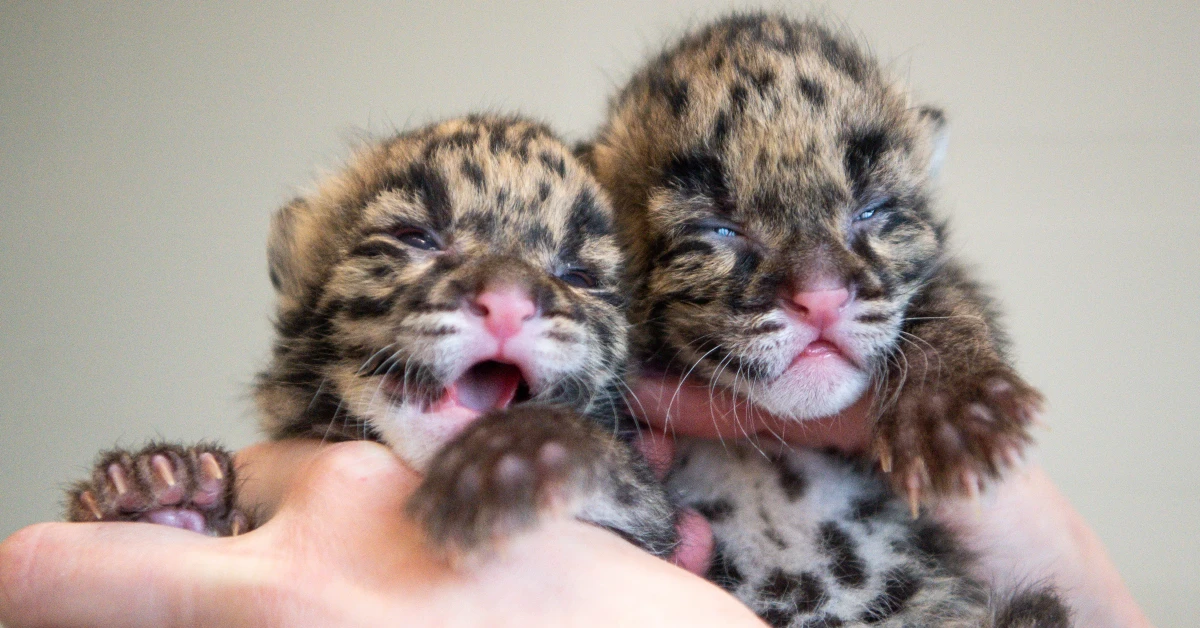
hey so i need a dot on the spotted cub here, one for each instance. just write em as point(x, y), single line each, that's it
point(772, 186)
point(455, 292)
point(775, 189)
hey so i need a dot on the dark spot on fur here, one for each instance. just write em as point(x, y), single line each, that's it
point(367, 307)
point(686, 247)
point(899, 585)
point(824, 621)
point(774, 537)
point(554, 163)
point(626, 493)
point(768, 327)
point(763, 81)
point(737, 98)
point(430, 189)
point(718, 60)
point(805, 590)
point(379, 248)
point(1041, 608)
point(586, 219)
point(715, 511)
point(538, 235)
point(699, 174)
point(812, 91)
point(869, 507)
point(936, 545)
point(845, 564)
point(498, 141)
point(873, 318)
point(778, 616)
point(791, 481)
point(676, 93)
point(843, 56)
point(473, 172)
point(722, 572)
point(485, 224)
point(720, 130)
point(863, 150)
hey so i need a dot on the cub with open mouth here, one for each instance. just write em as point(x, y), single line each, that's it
point(456, 293)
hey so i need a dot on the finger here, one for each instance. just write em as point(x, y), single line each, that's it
point(658, 449)
point(687, 408)
point(684, 407)
point(349, 485)
point(126, 574)
point(267, 472)
point(695, 542)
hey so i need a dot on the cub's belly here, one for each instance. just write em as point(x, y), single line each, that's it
point(809, 538)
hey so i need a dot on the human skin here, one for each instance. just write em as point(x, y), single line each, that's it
point(338, 550)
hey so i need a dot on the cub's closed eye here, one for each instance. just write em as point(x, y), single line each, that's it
point(578, 278)
point(874, 208)
point(417, 238)
point(725, 232)
point(716, 228)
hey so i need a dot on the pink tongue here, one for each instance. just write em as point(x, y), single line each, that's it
point(488, 385)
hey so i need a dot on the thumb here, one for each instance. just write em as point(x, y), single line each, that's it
point(349, 485)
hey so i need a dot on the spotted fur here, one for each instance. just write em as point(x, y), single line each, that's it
point(368, 326)
point(378, 271)
point(757, 156)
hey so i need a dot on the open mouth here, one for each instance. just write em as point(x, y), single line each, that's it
point(489, 385)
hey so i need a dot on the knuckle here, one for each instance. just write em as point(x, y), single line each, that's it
point(359, 460)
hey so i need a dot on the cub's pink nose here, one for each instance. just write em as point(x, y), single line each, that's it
point(504, 310)
point(821, 308)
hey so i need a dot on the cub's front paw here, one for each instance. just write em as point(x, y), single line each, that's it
point(502, 472)
point(182, 487)
point(948, 437)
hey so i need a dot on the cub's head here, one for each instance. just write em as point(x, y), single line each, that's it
point(773, 188)
point(444, 272)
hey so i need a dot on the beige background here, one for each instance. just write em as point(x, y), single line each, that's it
point(143, 147)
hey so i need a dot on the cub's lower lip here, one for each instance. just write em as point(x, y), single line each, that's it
point(819, 349)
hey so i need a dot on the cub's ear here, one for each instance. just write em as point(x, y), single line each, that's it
point(293, 260)
point(936, 136)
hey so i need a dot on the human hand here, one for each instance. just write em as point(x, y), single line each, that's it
point(338, 552)
point(692, 408)
point(1022, 531)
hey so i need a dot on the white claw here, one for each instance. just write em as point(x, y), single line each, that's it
point(117, 476)
point(162, 467)
point(885, 459)
point(210, 466)
point(90, 502)
point(970, 481)
point(914, 493)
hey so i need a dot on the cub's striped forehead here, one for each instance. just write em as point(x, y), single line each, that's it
point(483, 185)
point(479, 181)
point(785, 115)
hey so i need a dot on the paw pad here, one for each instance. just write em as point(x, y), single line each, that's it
point(189, 488)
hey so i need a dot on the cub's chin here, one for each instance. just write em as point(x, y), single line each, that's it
point(810, 389)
